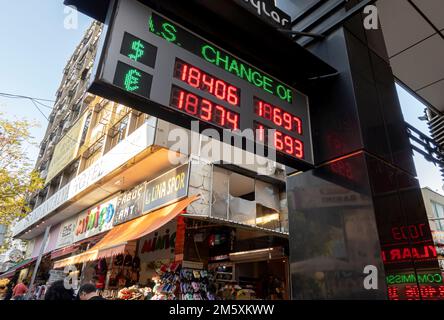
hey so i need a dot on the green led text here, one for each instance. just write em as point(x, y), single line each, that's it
point(138, 50)
point(234, 66)
point(132, 79)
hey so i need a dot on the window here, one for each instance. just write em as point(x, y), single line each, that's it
point(118, 132)
point(246, 200)
point(140, 119)
point(93, 153)
point(242, 205)
point(85, 129)
point(438, 216)
point(70, 173)
point(75, 111)
point(438, 210)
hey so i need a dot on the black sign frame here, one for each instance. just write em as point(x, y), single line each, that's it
point(164, 111)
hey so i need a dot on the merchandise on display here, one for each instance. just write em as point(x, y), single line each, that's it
point(197, 285)
point(167, 282)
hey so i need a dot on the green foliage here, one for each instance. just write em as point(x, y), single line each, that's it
point(18, 180)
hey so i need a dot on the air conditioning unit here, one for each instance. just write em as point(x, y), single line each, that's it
point(258, 255)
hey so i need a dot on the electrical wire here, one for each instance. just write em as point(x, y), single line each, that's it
point(10, 95)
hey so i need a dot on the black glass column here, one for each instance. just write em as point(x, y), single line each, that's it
point(361, 207)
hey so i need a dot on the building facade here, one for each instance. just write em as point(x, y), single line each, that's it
point(436, 127)
point(125, 206)
point(434, 204)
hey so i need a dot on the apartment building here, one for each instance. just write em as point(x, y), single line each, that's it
point(71, 102)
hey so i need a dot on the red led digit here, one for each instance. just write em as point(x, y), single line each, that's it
point(191, 104)
point(208, 83)
point(393, 293)
point(181, 99)
point(220, 112)
point(287, 121)
point(206, 110)
point(261, 130)
point(194, 76)
point(298, 125)
point(277, 117)
point(299, 149)
point(183, 75)
point(232, 96)
point(289, 146)
point(267, 111)
point(260, 108)
point(279, 145)
point(233, 120)
point(220, 91)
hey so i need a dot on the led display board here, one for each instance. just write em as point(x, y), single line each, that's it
point(153, 64)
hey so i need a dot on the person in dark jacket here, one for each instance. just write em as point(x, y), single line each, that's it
point(9, 290)
point(88, 291)
point(57, 291)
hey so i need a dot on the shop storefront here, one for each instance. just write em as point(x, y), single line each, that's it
point(154, 242)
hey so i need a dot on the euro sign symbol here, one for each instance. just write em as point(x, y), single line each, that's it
point(137, 47)
point(132, 79)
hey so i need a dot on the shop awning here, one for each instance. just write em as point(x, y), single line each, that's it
point(64, 251)
point(11, 271)
point(115, 241)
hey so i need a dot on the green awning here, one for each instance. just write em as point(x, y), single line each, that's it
point(10, 272)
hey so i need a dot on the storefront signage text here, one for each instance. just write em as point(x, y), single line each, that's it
point(411, 278)
point(88, 223)
point(160, 245)
point(152, 195)
point(167, 188)
point(267, 10)
point(407, 253)
point(96, 219)
point(130, 204)
point(413, 232)
point(159, 242)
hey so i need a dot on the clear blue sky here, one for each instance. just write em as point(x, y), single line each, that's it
point(36, 46)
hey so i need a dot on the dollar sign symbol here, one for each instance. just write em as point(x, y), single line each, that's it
point(137, 47)
point(132, 79)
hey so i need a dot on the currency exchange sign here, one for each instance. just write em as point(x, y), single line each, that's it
point(155, 65)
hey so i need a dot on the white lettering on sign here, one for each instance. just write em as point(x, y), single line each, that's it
point(267, 10)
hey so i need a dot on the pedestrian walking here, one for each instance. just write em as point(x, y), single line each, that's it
point(20, 290)
point(57, 291)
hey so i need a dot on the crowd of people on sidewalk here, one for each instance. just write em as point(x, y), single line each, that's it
point(56, 291)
